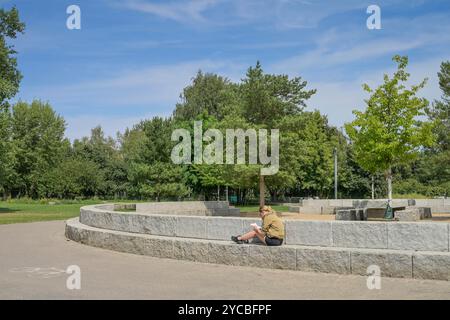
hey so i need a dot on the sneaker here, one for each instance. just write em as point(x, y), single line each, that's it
point(235, 239)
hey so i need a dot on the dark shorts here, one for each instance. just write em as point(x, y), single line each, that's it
point(273, 241)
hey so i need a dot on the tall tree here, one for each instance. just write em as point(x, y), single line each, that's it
point(209, 94)
point(388, 132)
point(440, 110)
point(39, 144)
point(268, 98)
point(10, 77)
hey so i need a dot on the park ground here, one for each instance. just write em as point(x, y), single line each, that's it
point(19, 211)
point(34, 257)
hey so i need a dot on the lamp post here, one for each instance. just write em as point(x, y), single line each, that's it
point(335, 174)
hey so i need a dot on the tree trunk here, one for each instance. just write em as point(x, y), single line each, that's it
point(389, 183)
point(261, 191)
point(373, 188)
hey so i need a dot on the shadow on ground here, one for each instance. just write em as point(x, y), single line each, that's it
point(7, 210)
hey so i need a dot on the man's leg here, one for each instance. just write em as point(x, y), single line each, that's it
point(261, 235)
point(247, 236)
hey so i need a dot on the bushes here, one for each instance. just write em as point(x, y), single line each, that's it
point(411, 188)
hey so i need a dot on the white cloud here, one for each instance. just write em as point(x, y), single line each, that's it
point(152, 86)
point(282, 14)
point(157, 87)
point(337, 47)
point(181, 11)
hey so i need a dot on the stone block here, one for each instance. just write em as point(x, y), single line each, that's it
point(392, 263)
point(318, 209)
point(314, 233)
point(346, 215)
point(349, 234)
point(422, 236)
point(408, 215)
point(228, 253)
point(192, 250)
point(375, 213)
point(360, 214)
point(160, 248)
point(369, 203)
point(323, 260)
point(279, 257)
point(191, 227)
point(223, 228)
point(128, 222)
point(431, 265)
point(159, 225)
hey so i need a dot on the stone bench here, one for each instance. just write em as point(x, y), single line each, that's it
point(413, 214)
point(401, 249)
point(199, 208)
point(341, 260)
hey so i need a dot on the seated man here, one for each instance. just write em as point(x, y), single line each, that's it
point(271, 233)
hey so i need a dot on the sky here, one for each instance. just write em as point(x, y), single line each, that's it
point(131, 58)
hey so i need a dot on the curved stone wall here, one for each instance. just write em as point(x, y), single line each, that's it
point(393, 263)
point(420, 236)
point(400, 249)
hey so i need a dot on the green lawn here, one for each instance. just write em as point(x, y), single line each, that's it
point(30, 211)
point(19, 211)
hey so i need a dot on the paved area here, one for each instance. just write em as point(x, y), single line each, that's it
point(34, 257)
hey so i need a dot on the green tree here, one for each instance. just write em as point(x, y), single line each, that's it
point(151, 172)
point(37, 137)
point(388, 132)
point(267, 98)
point(209, 94)
point(10, 76)
point(440, 110)
point(74, 177)
point(105, 153)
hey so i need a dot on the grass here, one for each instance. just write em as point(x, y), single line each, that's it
point(17, 212)
point(25, 210)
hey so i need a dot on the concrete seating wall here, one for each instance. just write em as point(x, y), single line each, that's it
point(406, 250)
point(196, 208)
point(328, 206)
point(400, 249)
point(426, 236)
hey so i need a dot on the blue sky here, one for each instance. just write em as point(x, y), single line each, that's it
point(131, 58)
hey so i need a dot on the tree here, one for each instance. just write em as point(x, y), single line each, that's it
point(209, 94)
point(10, 76)
point(74, 177)
point(103, 151)
point(388, 133)
point(151, 172)
point(37, 137)
point(440, 111)
point(267, 98)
